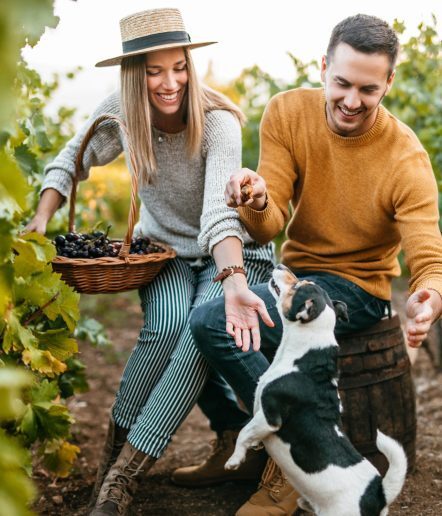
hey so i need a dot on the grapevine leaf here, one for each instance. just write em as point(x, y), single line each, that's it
point(6, 230)
point(45, 391)
point(16, 489)
point(13, 188)
point(11, 383)
point(53, 420)
point(6, 283)
point(26, 261)
point(16, 336)
point(26, 159)
point(58, 343)
point(28, 426)
point(67, 305)
point(43, 362)
point(60, 459)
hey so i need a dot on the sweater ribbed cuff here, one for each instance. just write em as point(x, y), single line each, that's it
point(255, 216)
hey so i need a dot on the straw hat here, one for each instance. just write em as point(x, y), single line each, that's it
point(151, 30)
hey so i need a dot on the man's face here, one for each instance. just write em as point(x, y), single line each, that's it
point(355, 84)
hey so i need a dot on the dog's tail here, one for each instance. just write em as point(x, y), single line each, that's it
point(395, 477)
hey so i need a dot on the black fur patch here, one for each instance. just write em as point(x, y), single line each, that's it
point(306, 404)
point(373, 500)
point(311, 292)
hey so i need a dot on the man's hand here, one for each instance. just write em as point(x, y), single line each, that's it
point(422, 309)
point(257, 198)
point(242, 309)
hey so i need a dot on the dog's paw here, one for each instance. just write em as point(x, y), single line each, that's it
point(234, 462)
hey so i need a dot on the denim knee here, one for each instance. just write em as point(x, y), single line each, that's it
point(206, 322)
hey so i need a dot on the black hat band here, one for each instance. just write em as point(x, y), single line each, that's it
point(154, 40)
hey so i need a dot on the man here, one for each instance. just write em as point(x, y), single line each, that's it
point(361, 186)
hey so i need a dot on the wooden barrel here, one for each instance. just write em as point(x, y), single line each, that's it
point(377, 390)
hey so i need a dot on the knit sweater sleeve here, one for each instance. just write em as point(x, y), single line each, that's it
point(416, 212)
point(277, 166)
point(222, 148)
point(104, 146)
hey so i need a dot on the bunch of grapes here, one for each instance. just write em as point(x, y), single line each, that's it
point(96, 245)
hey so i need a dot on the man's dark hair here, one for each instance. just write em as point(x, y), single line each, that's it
point(366, 34)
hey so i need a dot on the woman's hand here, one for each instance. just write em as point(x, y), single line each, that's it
point(256, 199)
point(422, 309)
point(37, 224)
point(242, 309)
point(50, 201)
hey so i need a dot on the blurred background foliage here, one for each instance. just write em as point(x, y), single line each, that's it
point(33, 414)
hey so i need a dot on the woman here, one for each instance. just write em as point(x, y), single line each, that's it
point(187, 141)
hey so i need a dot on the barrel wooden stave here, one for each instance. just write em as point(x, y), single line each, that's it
point(377, 390)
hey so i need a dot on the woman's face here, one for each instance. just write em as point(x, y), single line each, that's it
point(166, 73)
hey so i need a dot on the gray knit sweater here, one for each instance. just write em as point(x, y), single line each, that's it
point(185, 206)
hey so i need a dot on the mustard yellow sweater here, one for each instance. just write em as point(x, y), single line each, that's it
point(355, 200)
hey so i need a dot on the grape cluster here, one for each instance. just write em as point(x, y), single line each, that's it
point(97, 245)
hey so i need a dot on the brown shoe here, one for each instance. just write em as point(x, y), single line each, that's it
point(211, 472)
point(115, 439)
point(121, 482)
point(275, 496)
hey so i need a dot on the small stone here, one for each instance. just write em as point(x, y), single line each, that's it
point(57, 499)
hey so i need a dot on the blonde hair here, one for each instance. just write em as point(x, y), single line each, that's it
point(136, 109)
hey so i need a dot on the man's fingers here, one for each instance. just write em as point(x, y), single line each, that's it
point(245, 339)
point(262, 310)
point(238, 337)
point(256, 338)
point(229, 329)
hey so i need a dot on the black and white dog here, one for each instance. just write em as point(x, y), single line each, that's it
point(297, 412)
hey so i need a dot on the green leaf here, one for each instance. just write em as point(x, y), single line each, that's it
point(13, 186)
point(26, 159)
point(7, 228)
point(16, 489)
point(44, 391)
point(16, 336)
point(34, 252)
point(91, 330)
point(6, 283)
point(12, 381)
point(28, 425)
point(58, 343)
point(54, 421)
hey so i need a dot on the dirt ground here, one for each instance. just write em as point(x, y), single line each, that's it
point(422, 494)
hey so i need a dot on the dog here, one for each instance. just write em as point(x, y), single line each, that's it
point(297, 412)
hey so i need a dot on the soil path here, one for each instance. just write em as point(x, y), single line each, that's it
point(121, 315)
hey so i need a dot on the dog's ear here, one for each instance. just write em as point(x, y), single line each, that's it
point(340, 310)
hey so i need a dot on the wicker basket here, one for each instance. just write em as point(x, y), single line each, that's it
point(108, 274)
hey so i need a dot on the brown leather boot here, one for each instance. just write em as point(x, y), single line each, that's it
point(275, 496)
point(121, 482)
point(115, 439)
point(212, 472)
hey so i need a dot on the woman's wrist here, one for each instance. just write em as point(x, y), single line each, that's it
point(234, 283)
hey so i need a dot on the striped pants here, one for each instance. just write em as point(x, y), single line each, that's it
point(165, 373)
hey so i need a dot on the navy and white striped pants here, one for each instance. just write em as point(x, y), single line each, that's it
point(166, 373)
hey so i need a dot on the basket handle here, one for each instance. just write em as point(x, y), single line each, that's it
point(125, 248)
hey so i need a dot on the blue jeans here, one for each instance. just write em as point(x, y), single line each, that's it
point(243, 369)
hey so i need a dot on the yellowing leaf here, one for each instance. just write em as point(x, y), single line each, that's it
point(43, 362)
point(61, 460)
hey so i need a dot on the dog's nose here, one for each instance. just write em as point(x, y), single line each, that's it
point(281, 267)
